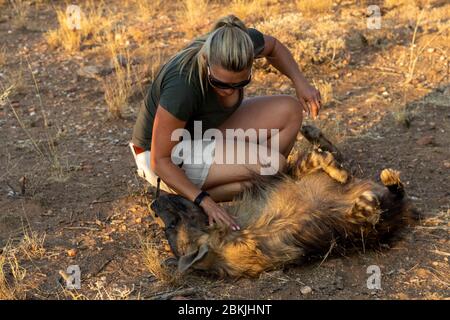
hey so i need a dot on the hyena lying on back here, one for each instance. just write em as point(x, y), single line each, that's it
point(287, 219)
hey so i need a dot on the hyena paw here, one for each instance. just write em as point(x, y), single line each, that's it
point(332, 167)
point(366, 209)
point(390, 177)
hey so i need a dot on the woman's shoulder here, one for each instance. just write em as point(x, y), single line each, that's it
point(257, 39)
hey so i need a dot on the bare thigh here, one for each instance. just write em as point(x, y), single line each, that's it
point(280, 112)
point(242, 164)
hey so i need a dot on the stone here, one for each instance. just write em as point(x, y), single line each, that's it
point(306, 290)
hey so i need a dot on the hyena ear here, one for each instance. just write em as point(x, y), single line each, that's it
point(186, 261)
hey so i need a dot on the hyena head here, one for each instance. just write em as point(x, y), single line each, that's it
point(186, 228)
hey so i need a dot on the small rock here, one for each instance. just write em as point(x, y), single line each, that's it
point(385, 94)
point(89, 71)
point(305, 290)
point(426, 140)
point(72, 252)
point(430, 50)
point(447, 164)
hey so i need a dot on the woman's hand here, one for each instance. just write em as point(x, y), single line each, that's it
point(309, 98)
point(217, 214)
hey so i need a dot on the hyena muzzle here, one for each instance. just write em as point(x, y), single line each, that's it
point(287, 219)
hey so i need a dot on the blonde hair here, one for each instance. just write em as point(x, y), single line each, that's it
point(228, 45)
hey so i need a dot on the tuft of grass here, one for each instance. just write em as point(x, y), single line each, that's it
point(326, 91)
point(93, 25)
point(11, 275)
point(64, 36)
point(311, 8)
point(32, 244)
point(153, 259)
point(146, 8)
point(118, 87)
point(20, 9)
point(250, 9)
point(192, 15)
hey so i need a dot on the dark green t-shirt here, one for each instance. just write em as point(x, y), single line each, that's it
point(185, 101)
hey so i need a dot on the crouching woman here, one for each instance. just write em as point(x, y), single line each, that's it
point(201, 88)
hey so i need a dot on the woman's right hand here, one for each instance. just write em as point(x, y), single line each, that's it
point(217, 214)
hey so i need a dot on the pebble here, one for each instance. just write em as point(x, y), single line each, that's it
point(72, 252)
point(426, 140)
point(306, 290)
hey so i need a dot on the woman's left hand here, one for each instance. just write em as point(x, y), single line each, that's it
point(309, 98)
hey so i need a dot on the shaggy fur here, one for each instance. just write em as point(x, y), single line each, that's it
point(287, 219)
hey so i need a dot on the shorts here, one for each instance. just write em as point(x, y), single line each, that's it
point(194, 157)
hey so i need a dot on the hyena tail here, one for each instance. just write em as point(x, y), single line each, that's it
point(391, 179)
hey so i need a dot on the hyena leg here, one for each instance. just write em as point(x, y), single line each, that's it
point(391, 179)
point(366, 209)
point(315, 136)
point(318, 159)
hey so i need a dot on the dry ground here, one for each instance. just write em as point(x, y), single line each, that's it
point(68, 191)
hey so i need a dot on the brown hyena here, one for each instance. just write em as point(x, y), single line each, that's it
point(286, 219)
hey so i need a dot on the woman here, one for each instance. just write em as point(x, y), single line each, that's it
point(204, 82)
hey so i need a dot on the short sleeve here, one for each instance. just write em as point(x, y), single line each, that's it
point(178, 97)
point(258, 41)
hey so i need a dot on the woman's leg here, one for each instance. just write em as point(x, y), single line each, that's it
point(284, 113)
point(280, 112)
point(225, 179)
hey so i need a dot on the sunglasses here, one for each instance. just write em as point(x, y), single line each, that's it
point(223, 85)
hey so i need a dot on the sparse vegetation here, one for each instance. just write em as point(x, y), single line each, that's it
point(20, 9)
point(12, 274)
point(93, 25)
point(385, 101)
point(314, 7)
point(154, 263)
point(191, 14)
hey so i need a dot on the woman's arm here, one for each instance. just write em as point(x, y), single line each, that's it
point(161, 163)
point(281, 58)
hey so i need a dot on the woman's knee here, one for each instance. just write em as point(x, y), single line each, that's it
point(291, 109)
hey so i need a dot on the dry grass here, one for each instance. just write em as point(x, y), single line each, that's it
point(118, 87)
point(93, 26)
point(146, 9)
point(309, 42)
point(20, 9)
point(251, 9)
point(326, 91)
point(11, 275)
point(191, 15)
point(32, 244)
point(3, 56)
point(311, 8)
point(153, 262)
point(47, 151)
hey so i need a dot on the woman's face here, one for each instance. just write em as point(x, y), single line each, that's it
point(226, 76)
